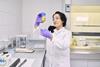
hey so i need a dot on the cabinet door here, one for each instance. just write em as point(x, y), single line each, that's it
point(94, 63)
point(78, 63)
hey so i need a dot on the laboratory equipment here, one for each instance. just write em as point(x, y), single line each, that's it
point(2, 61)
point(41, 18)
point(4, 44)
point(4, 58)
point(22, 63)
point(21, 42)
point(15, 63)
point(24, 50)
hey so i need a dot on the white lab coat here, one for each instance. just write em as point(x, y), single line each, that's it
point(58, 51)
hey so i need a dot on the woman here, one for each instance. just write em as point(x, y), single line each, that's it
point(58, 43)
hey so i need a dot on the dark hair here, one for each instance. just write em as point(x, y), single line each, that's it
point(62, 17)
point(51, 28)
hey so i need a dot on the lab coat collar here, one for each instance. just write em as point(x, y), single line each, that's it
point(58, 31)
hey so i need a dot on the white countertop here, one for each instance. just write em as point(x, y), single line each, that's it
point(34, 59)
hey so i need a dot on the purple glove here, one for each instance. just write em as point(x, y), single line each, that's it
point(46, 33)
point(40, 19)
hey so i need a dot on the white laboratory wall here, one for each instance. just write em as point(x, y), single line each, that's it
point(32, 7)
point(68, 1)
point(10, 18)
point(18, 16)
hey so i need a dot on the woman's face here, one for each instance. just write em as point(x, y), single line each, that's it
point(57, 21)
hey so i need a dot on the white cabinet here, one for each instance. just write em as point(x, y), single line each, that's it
point(94, 63)
point(86, 2)
point(78, 63)
point(85, 63)
point(85, 18)
point(85, 60)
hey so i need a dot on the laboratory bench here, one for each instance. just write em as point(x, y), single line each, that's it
point(80, 57)
point(37, 56)
point(34, 59)
point(87, 56)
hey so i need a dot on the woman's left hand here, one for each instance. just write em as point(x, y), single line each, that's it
point(46, 33)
